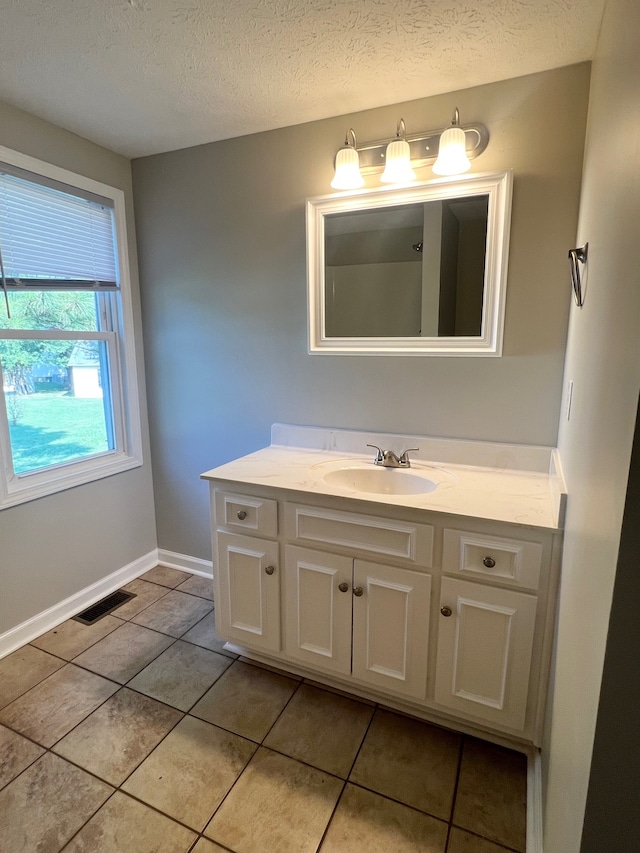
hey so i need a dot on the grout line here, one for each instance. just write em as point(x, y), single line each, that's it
point(156, 809)
point(44, 678)
point(69, 840)
point(364, 737)
point(204, 837)
point(455, 790)
point(346, 780)
point(224, 799)
point(335, 809)
point(284, 708)
point(31, 763)
point(124, 683)
point(399, 802)
point(68, 660)
point(500, 848)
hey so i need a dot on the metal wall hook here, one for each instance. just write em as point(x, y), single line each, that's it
point(576, 257)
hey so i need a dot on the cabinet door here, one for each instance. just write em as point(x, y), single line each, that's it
point(391, 628)
point(484, 651)
point(317, 612)
point(248, 583)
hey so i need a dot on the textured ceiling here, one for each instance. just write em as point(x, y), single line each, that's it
point(145, 76)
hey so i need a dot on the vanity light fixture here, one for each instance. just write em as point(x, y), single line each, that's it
point(452, 154)
point(448, 151)
point(347, 176)
point(397, 168)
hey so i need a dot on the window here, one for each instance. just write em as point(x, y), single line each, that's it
point(69, 410)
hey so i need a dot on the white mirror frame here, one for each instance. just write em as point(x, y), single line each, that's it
point(498, 186)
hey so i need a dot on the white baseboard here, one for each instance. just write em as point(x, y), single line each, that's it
point(534, 803)
point(42, 622)
point(195, 565)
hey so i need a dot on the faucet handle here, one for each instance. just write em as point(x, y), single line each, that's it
point(404, 456)
point(379, 456)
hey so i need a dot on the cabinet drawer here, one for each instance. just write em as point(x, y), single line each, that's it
point(248, 514)
point(389, 537)
point(508, 561)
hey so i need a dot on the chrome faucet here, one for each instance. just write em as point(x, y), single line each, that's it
point(388, 459)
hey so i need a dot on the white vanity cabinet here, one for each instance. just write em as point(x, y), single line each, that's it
point(446, 617)
point(485, 641)
point(248, 591)
point(357, 618)
point(486, 633)
point(248, 575)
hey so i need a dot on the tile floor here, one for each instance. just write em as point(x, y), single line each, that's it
point(141, 734)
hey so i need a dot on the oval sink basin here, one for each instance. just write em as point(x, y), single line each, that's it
point(380, 481)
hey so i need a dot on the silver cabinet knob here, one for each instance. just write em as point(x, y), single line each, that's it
point(446, 611)
point(343, 587)
point(241, 514)
point(489, 562)
point(358, 591)
point(270, 570)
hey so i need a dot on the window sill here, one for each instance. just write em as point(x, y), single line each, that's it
point(30, 487)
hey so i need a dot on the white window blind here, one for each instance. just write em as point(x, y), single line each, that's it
point(48, 236)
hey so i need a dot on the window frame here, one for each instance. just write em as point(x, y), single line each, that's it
point(117, 332)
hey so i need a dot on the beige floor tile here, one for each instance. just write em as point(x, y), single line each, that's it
point(16, 753)
point(46, 804)
point(145, 594)
point(52, 708)
point(410, 761)
point(190, 772)
point(339, 692)
point(21, 670)
point(206, 846)
point(165, 576)
point(492, 793)
point(125, 826)
point(124, 652)
point(181, 675)
point(197, 585)
point(246, 700)
point(368, 822)
point(322, 729)
point(278, 805)
point(174, 614)
point(464, 842)
point(71, 637)
point(204, 634)
point(113, 740)
point(277, 669)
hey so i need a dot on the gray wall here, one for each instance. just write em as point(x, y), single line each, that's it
point(55, 546)
point(603, 360)
point(614, 782)
point(222, 254)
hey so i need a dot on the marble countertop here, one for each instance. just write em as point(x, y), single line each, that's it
point(508, 494)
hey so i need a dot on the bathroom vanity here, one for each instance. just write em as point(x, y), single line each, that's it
point(430, 589)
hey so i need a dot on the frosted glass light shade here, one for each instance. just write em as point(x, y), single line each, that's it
point(397, 168)
point(452, 155)
point(347, 176)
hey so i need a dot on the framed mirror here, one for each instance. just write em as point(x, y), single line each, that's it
point(420, 270)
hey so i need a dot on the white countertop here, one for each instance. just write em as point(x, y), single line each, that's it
point(509, 494)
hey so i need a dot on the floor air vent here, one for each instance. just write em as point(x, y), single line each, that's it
point(102, 608)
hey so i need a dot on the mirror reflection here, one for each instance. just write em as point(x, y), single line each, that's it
point(411, 270)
